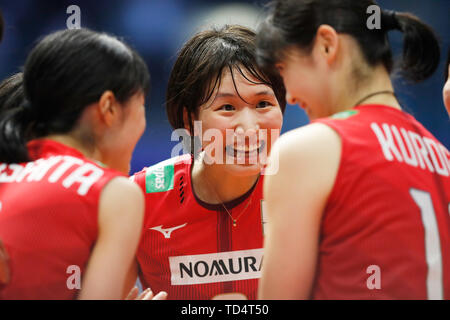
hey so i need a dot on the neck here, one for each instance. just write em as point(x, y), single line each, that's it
point(379, 81)
point(225, 186)
point(89, 152)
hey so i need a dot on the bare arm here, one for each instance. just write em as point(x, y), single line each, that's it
point(131, 278)
point(120, 218)
point(295, 198)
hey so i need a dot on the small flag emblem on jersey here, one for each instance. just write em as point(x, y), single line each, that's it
point(344, 114)
point(159, 179)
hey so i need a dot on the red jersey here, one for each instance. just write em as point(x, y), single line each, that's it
point(385, 232)
point(189, 248)
point(48, 219)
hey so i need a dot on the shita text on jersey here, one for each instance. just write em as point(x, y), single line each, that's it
point(53, 169)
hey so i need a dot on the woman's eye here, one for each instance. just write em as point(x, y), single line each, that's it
point(227, 107)
point(263, 104)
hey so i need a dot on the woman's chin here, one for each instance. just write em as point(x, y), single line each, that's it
point(243, 170)
point(237, 166)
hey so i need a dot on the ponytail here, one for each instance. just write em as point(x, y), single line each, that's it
point(12, 138)
point(295, 23)
point(421, 52)
point(15, 117)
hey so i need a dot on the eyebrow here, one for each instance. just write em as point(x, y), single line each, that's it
point(228, 94)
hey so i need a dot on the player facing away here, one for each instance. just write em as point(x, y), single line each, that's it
point(69, 218)
point(359, 208)
point(203, 230)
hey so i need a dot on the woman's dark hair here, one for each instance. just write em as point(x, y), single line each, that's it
point(294, 23)
point(11, 93)
point(198, 70)
point(12, 100)
point(64, 73)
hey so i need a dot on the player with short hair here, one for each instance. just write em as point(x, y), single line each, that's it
point(359, 208)
point(203, 226)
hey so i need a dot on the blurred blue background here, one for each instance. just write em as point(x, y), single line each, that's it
point(158, 28)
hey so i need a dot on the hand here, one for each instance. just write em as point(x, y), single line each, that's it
point(4, 268)
point(145, 295)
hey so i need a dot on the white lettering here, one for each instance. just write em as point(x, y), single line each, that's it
point(386, 141)
point(26, 172)
point(189, 310)
point(373, 21)
point(63, 167)
point(41, 168)
point(74, 20)
point(409, 156)
point(16, 169)
point(445, 155)
point(374, 281)
point(214, 150)
point(433, 151)
point(415, 150)
point(421, 150)
point(74, 281)
point(86, 174)
point(85, 181)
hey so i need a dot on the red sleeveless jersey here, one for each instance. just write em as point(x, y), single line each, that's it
point(48, 219)
point(385, 232)
point(189, 248)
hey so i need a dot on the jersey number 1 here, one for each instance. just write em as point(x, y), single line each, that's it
point(433, 253)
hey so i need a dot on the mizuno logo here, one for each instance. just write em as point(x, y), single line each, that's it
point(167, 231)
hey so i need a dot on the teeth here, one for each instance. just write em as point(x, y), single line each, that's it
point(233, 151)
point(251, 148)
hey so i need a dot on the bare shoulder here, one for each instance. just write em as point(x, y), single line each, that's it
point(314, 142)
point(121, 197)
point(304, 164)
point(309, 136)
point(122, 188)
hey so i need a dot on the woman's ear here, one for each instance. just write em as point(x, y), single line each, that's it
point(327, 40)
point(108, 108)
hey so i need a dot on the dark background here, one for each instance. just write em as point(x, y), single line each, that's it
point(158, 28)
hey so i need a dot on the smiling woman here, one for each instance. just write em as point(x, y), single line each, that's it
point(366, 186)
point(211, 202)
point(238, 121)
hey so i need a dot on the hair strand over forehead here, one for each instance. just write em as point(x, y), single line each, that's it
point(200, 65)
